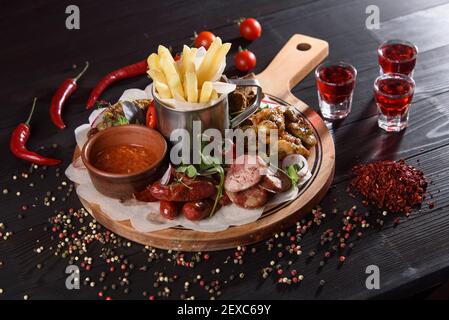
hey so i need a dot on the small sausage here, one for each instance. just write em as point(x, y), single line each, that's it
point(292, 114)
point(197, 210)
point(276, 182)
point(168, 210)
point(145, 195)
point(254, 197)
point(162, 192)
point(224, 201)
point(190, 190)
point(244, 173)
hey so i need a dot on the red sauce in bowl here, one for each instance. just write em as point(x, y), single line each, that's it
point(124, 159)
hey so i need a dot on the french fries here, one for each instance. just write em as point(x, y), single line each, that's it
point(153, 62)
point(207, 60)
point(191, 87)
point(162, 89)
point(164, 52)
point(206, 91)
point(157, 75)
point(187, 61)
point(181, 80)
point(213, 64)
point(173, 80)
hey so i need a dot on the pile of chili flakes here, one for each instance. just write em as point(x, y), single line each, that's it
point(394, 186)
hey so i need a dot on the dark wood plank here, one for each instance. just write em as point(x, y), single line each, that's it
point(393, 249)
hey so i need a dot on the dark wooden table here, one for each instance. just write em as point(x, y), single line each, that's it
point(38, 52)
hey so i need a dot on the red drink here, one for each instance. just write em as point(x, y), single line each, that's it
point(393, 94)
point(335, 83)
point(396, 56)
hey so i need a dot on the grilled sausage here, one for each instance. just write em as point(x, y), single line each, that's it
point(302, 130)
point(276, 182)
point(168, 209)
point(144, 195)
point(224, 201)
point(190, 190)
point(197, 210)
point(254, 197)
point(244, 173)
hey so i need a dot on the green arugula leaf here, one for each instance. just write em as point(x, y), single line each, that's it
point(181, 169)
point(121, 120)
point(189, 170)
point(208, 162)
point(292, 172)
point(263, 105)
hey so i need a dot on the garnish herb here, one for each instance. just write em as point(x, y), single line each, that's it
point(263, 105)
point(189, 170)
point(211, 168)
point(121, 120)
point(292, 172)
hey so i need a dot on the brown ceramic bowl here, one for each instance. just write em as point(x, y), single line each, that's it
point(118, 185)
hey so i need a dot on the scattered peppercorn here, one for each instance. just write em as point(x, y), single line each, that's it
point(82, 241)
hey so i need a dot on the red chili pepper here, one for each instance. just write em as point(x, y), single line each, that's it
point(130, 71)
point(151, 116)
point(19, 138)
point(65, 90)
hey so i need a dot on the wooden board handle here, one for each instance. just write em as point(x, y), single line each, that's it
point(299, 56)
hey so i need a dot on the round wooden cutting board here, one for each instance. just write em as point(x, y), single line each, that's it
point(299, 56)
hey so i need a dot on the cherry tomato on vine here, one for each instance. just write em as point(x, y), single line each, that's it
point(204, 39)
point(250, 29)
point(245, 60)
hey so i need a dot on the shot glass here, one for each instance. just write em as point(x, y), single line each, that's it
point(393, 93)
point(335, 83)
point(397, 56)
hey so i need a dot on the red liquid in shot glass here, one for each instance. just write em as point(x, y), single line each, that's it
point(397, 57)
point(393, 95)
point(335, 83)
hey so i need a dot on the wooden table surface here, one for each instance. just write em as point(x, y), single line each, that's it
point(38, 52)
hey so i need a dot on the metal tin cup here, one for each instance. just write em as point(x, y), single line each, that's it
point(215, 116)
